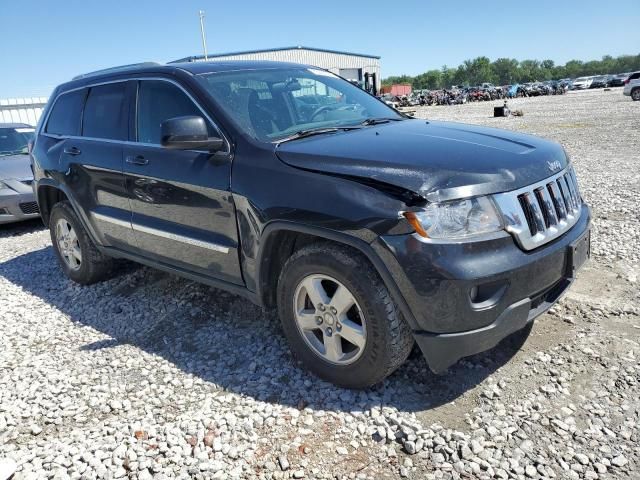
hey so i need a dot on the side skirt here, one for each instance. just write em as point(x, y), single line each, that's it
point(239, 290)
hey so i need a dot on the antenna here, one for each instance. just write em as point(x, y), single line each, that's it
point(204, 37)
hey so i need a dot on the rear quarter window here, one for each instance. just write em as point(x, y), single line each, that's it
point(105, 112)
point(65, 114)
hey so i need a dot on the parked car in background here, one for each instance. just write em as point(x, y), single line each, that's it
point(632, 86)
point(366, 230)
point(618, 80)
point(581, 83)
point(600, 81)
point(17, 201)
point(390, 100)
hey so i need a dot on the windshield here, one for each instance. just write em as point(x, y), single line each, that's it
point(272, 104)
point(14, 140)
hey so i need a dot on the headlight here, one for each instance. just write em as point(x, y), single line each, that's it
point(457, 219)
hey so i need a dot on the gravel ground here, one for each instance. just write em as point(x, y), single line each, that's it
point(152, 376)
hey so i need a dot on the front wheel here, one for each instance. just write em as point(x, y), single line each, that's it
point(635, 94)
point(339, 318)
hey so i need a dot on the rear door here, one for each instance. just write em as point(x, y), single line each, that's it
point(182, 209)
point(92, 163)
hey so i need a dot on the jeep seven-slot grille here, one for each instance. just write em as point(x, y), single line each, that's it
point(541, 212)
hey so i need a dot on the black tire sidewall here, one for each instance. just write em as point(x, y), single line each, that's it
point(371, 366)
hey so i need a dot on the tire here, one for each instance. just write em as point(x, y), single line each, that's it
point(635, 94)
point(91, 266)
point(386, 338)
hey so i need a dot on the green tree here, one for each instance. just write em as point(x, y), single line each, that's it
point(505, 70)
point(508, 70)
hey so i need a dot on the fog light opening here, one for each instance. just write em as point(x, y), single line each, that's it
point(487, 295)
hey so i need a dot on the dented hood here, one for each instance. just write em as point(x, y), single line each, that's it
point(436, 160)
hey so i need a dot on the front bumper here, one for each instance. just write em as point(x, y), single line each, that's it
point(17, 206)
point(465, 298)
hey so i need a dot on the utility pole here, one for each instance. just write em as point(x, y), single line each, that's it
point(204, 37)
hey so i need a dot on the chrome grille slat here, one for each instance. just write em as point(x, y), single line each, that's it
point(538, 213)
point(548, 209)
point(565, 194)
point(531, 202)
point(558, 201)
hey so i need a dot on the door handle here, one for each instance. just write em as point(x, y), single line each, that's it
point(72, 151)
point(136, 160)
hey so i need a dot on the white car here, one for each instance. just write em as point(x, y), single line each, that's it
point(632, 86)
point(582, 83)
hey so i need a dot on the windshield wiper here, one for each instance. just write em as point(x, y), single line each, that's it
point(378, 121)
point(314, 131)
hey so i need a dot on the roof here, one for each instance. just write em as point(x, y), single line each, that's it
point(15, 125)
point(266, 50)
point(193, 68)
point(230, 65)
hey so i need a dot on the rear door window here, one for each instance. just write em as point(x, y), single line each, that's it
point(65, 114)
point(105, 114)
point(159, 101)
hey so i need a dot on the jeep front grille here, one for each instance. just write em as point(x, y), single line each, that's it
point(537, 214)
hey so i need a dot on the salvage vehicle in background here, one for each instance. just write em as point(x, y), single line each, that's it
point(581, 83)
point(367, 230)
point(632, 86)
point(17, 201)
point(618, 80)
point(601, 81)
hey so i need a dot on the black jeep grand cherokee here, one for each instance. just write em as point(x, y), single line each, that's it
point(292, 187)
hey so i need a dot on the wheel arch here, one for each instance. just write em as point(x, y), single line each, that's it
point(280, 239)
point(49, 192)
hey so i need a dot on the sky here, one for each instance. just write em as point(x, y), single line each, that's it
point(44, 43)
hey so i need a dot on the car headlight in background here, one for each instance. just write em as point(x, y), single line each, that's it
point(458, 219)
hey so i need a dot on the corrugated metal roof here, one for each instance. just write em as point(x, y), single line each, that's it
point(266, 50)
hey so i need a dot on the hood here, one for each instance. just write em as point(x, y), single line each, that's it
point(15, 167)
point(436, 160)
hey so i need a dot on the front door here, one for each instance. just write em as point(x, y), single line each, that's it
point(182, 209)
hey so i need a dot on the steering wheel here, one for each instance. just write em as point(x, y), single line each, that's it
point(322, 109)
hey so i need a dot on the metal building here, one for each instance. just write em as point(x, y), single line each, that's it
point(357, 67)
point(22, 110)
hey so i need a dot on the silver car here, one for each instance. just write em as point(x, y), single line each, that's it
point(632, 86)
point(17, 201)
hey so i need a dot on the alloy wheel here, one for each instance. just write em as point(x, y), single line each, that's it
point(330, 319)
point(68, 244)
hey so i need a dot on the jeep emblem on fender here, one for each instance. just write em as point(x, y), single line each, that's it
point(555, 165)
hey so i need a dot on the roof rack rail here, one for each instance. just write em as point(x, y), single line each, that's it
point(116, 69)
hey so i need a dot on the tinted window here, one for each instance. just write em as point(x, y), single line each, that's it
point(65, 115)
point(104, 112)
point(275, 103)
point(14, 140)
point(159, 101)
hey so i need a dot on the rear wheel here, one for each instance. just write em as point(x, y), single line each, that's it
point(339, 318)
point(635, 94)
point(79, 258)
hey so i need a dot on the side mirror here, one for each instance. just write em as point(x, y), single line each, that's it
point(188, 133)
